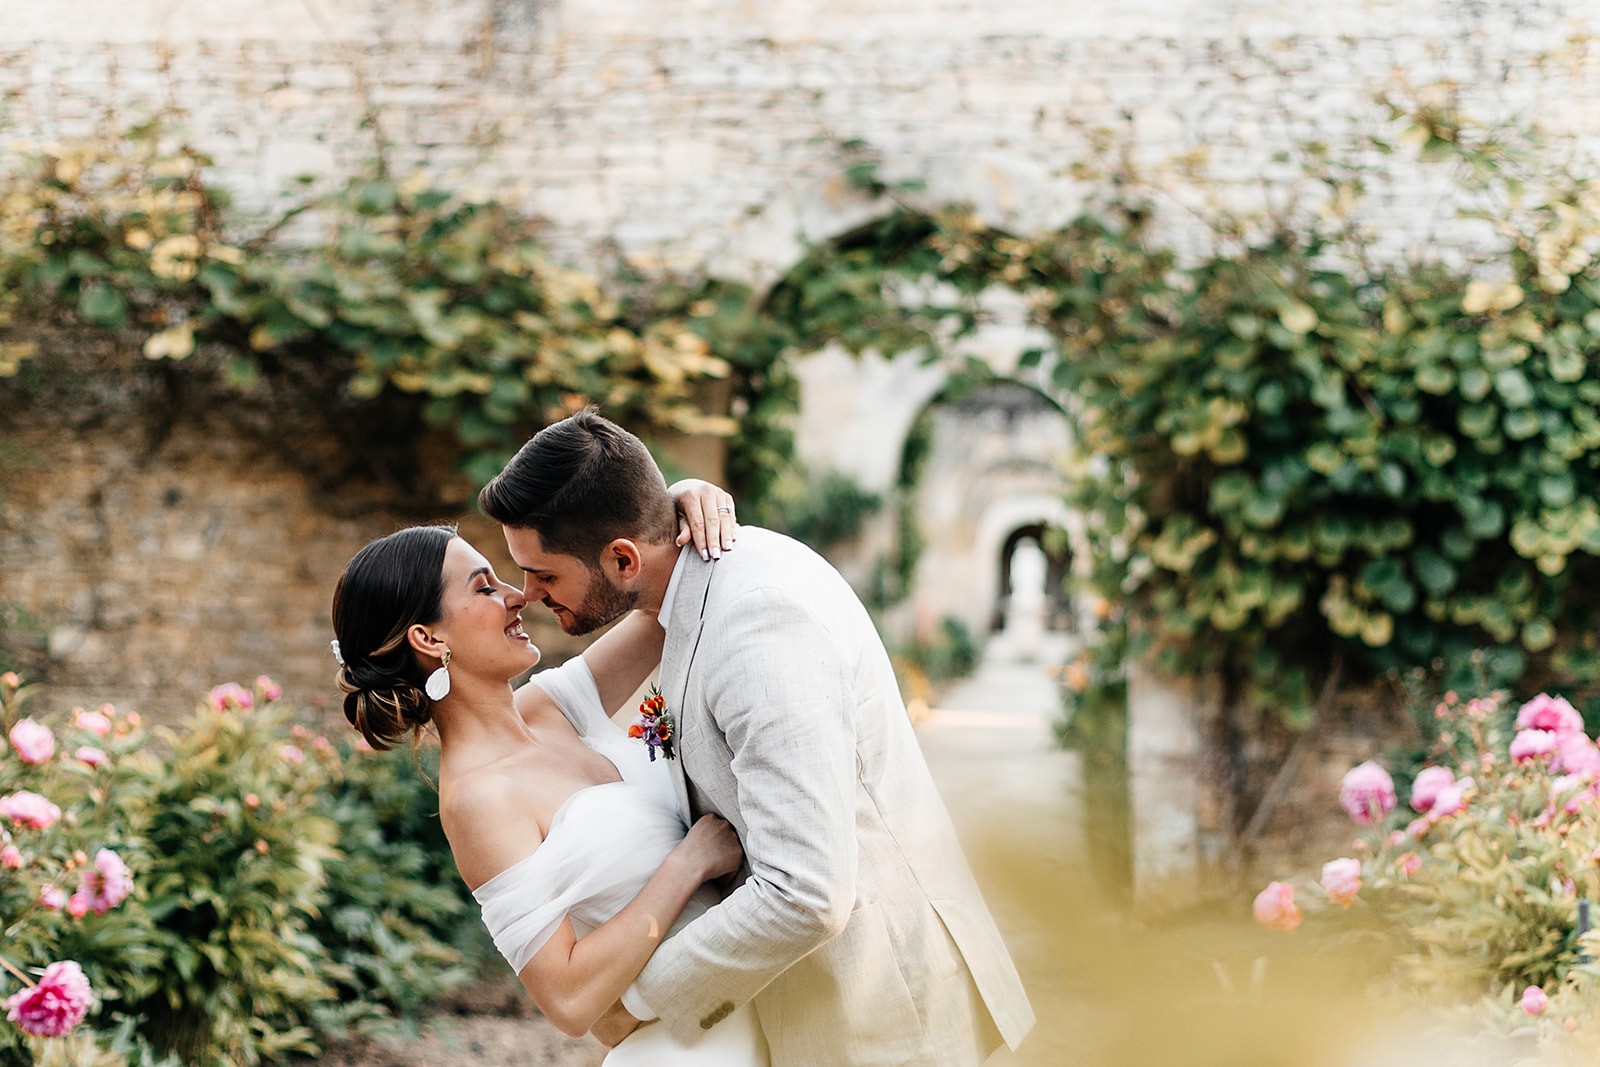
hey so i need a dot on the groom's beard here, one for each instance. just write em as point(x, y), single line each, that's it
point(603, 604)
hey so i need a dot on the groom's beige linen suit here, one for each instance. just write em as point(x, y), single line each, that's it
point(859, 931)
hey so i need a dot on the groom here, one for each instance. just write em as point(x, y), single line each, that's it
point(859, 932)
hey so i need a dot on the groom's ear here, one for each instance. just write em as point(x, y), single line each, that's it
point(622, 559)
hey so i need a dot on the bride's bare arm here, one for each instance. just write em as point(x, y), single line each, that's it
point(623, 657)
point(574, 980)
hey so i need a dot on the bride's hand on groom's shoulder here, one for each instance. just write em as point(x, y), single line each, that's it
point(705, 516)
point(713, 846)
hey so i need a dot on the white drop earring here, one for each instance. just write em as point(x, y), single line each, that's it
point(438, 684)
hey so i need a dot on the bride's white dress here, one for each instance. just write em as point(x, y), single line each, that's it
point(604, 843)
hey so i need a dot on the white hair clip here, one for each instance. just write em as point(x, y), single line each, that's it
point(337, 655)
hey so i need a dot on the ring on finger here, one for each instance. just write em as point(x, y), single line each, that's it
point(726, 508)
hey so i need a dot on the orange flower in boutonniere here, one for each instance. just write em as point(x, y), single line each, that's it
point(654, 725)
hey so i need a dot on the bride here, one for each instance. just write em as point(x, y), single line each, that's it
point(567, 832)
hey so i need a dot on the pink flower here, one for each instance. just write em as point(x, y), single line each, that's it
point(1410, 864)
point(1341, 878)
point(1533, 744)
point(231, 695)
point(52, 897)
point(1545, 712)
point(1275, 909)
point(1573, 789)
point(1534, 1002)
point(90, 755)
point(291, 754)
point(107, 883)
point(78, 904)
point(270, 690)
point(1425, 789)
point(54, 1006)
point(29, 810)
point(252, 801)
point(10, 680)
point(11, 857)
point(1576, 754)
point(1451, 799)
point(33, 741)
point(93, 721)
point(1367, 790)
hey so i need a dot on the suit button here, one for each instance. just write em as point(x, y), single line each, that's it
point(722, 1012)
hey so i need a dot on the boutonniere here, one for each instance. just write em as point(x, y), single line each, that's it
point(654, 725)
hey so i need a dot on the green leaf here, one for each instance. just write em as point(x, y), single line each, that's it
point(102, 306)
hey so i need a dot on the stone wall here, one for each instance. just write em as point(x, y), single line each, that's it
point(708, 132)
point(157, 543)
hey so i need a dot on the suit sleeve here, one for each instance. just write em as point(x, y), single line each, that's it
point(777, 685)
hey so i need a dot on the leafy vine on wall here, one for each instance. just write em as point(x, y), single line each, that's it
point(1303, 452)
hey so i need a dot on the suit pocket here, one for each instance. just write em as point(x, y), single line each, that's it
point(847, 1002)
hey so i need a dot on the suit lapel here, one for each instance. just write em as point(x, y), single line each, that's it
point(683, 638)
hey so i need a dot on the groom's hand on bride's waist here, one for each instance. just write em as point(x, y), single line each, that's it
point(614, 1025)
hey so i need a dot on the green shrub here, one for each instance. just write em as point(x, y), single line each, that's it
point(1472, 876)
point(401, 927)
point(279, 890)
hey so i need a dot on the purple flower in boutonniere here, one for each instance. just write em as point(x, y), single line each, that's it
point(654, 725)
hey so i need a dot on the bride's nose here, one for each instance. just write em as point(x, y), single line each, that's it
point(515, 599)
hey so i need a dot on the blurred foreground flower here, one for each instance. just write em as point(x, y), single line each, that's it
point(33, 741)
point(1275, 908)
point(1367, 793)
point(29, 810)
point(55, 1005)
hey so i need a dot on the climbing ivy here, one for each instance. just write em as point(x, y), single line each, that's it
point(395, 301)
point(1293, 451)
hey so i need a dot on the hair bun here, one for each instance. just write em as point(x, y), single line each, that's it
point(385, 714)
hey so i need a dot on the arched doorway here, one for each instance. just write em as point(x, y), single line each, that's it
point(1034, 562)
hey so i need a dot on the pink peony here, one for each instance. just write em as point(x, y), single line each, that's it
point(1534, 1002)
point(1545, 712)
point(54, 1006)
point(52, 897)
point(1451, 799)
point(1367, 790)
point(90, 755)
point(33, 741)
point(11, 857)
point(1576, 754)
point(1341, 878)
point(1275, 909)
point(1533, 744)
point(231, 695)
point(93, 721)
point(269, 689)
point(1409, 864)
point(1425, 789)
point(107, 883)
point(78, 904)
point(29, 810)
point(291, 754)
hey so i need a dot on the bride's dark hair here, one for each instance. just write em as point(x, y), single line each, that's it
point(391, 585)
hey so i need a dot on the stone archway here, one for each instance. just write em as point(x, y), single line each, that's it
point(1034, 562)
point(992, 474)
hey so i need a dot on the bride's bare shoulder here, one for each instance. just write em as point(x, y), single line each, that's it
point(489, 822)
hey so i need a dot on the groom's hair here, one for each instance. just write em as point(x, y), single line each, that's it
point(579, 484)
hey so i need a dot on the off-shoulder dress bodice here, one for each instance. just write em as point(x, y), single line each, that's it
point(604, 843)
